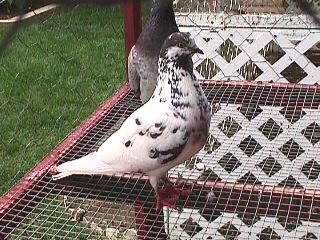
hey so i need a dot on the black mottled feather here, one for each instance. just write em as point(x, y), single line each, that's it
point(166, 155)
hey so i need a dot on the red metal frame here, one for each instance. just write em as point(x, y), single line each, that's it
point(145, 211)
point(132, 23)
point(18, 191)
point(132, 29)
point(254, 199)
point(246, 198)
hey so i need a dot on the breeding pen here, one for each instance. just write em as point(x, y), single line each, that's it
point(257, 177)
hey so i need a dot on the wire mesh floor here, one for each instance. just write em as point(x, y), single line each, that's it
point(256, 178)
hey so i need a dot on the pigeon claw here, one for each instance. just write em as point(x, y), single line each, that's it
point(163, 200)
point(177, 188)
point(168, 196)
point(53, 169)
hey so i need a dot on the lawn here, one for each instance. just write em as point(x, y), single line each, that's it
point(55, 218)
point(52, 77)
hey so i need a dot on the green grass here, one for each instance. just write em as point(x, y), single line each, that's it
point(52, 77)
point(52, 220)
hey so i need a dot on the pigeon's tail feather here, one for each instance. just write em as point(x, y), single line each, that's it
point(89, 165)
point(60, 175)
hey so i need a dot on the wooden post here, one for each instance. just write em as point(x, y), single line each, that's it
point(132, 24)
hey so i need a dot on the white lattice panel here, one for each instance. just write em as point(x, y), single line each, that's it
point(269, 48)
point(262, 135)
point(190, 224)
point(231, 6)
point(267, 145)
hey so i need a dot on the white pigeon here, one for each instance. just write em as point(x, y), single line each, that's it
point(168, 130)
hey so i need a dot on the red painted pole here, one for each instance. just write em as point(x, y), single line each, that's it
point(132, 24)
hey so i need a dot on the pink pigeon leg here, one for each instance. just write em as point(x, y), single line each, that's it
point(170, 194)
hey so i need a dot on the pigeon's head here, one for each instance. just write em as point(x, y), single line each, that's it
point(179, 44)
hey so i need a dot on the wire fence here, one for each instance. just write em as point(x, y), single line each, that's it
point(54, 74)
point(269, 41)
point(256, 178)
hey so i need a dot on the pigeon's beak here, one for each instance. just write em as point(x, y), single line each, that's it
point(198, 50)
point(195, 49)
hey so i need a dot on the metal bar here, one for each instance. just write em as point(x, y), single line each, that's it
point(264, 200)
point(248, 199)
point(262, 93)
point(226, 84)
point(132, 24)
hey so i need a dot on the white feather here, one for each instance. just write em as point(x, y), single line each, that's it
point(90, 164)
point(131, 148)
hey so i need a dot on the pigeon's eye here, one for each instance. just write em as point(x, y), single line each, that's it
point(180, 45)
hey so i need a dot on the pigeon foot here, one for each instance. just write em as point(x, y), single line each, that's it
point(169, 196)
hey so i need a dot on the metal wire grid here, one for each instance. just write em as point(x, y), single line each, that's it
point(55, 61)
point(246, 41)
point(214, 166)
point(86, 192)
point(216, 210)
point(238, 6)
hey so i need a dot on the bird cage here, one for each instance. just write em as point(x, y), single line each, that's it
point(262, 148)
point(257, 177)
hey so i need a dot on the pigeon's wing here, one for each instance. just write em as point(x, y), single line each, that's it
point(133, 75)
point(150, 137)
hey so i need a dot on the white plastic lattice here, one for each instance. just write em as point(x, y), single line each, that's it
point(190, 224)
point(261, 41)
point(251, 47)
point(255, 144)
point(270, 145)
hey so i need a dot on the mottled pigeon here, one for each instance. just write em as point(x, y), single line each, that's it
point(166, 131)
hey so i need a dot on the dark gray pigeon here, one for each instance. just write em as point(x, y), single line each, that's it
point(143, 58)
